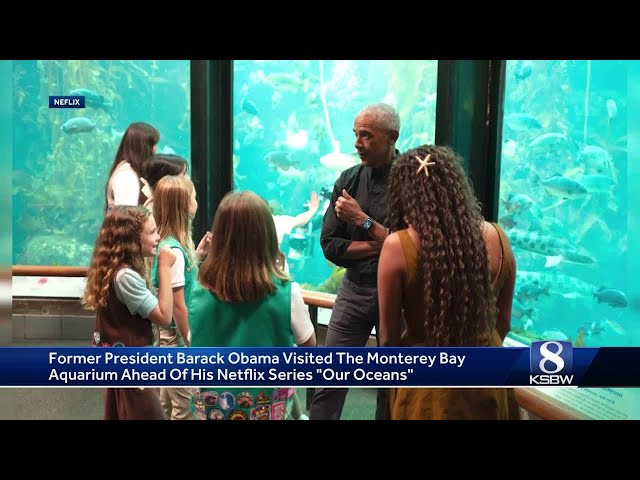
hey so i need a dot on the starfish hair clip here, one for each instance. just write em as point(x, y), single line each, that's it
point(424, 164)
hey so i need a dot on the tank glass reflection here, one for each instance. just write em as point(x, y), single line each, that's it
point(566, 202)
point(62, 157)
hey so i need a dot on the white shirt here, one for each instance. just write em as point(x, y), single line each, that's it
point(300, 320)
point(124, 187)
point(146, 189)
point(177, 269)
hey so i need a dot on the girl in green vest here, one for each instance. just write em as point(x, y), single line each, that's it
point(174, 206)
point(244, 299)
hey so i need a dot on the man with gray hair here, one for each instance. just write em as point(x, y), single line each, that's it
point(353, 231)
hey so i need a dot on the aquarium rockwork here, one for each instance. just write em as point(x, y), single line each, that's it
point(62, 157)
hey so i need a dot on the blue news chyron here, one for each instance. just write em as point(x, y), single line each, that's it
point(66, 101)
point(551, 362)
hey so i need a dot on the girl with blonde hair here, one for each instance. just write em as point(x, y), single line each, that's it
point(174, 207)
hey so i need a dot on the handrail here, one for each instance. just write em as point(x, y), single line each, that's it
point(531, 400)
point(545, 407)
point(318, 299)
point(311, 298)
point(47, 271)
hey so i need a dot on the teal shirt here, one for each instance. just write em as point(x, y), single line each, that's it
point(190, 271)
point(266, 323)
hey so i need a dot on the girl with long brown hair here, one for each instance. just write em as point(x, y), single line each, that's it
point(452, 276)
point(124, 187)
point(244, 299)
point(118, 291)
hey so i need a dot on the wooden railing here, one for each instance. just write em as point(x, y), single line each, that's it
point(38, 271)
point(531, 400)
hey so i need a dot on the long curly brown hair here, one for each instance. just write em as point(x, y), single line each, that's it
point(117, 246)
point(459, 304)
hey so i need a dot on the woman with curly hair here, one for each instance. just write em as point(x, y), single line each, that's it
point(118, 290)
point(452, 275)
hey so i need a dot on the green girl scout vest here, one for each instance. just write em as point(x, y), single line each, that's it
point(266, 323)
point(190, 271)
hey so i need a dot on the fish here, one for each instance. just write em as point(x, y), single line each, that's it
point(519, 122)
point(596, 158)
point(78, 125)
point(289, 82)
point(278, 159)
point(518, 203)
point(558, 283)
point(91, 98)
point(563, 187)
point(555, 144)
point(249, 107)
point(531, 292)
point(326, 193)
point(555, 249)
point(611, 296)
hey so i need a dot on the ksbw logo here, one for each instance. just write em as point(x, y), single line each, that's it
point(551, 362)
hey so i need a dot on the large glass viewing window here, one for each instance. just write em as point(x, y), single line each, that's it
point(567, 204)
point(293, 136)
point(59, 172)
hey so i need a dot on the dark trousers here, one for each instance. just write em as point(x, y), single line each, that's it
point(354, 315)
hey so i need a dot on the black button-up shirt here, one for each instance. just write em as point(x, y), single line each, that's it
point(369, 188)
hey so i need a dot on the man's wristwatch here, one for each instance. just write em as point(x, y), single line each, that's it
point(367, 224)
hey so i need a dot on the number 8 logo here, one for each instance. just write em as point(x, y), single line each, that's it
point(554, 357)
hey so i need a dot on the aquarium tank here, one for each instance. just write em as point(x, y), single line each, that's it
point(293, 136)
point(59, 174)
point(566, 202)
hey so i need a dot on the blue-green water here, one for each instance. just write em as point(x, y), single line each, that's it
point(291, 116)
point(59, 179)
point(566, 202)
point(566, 199)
